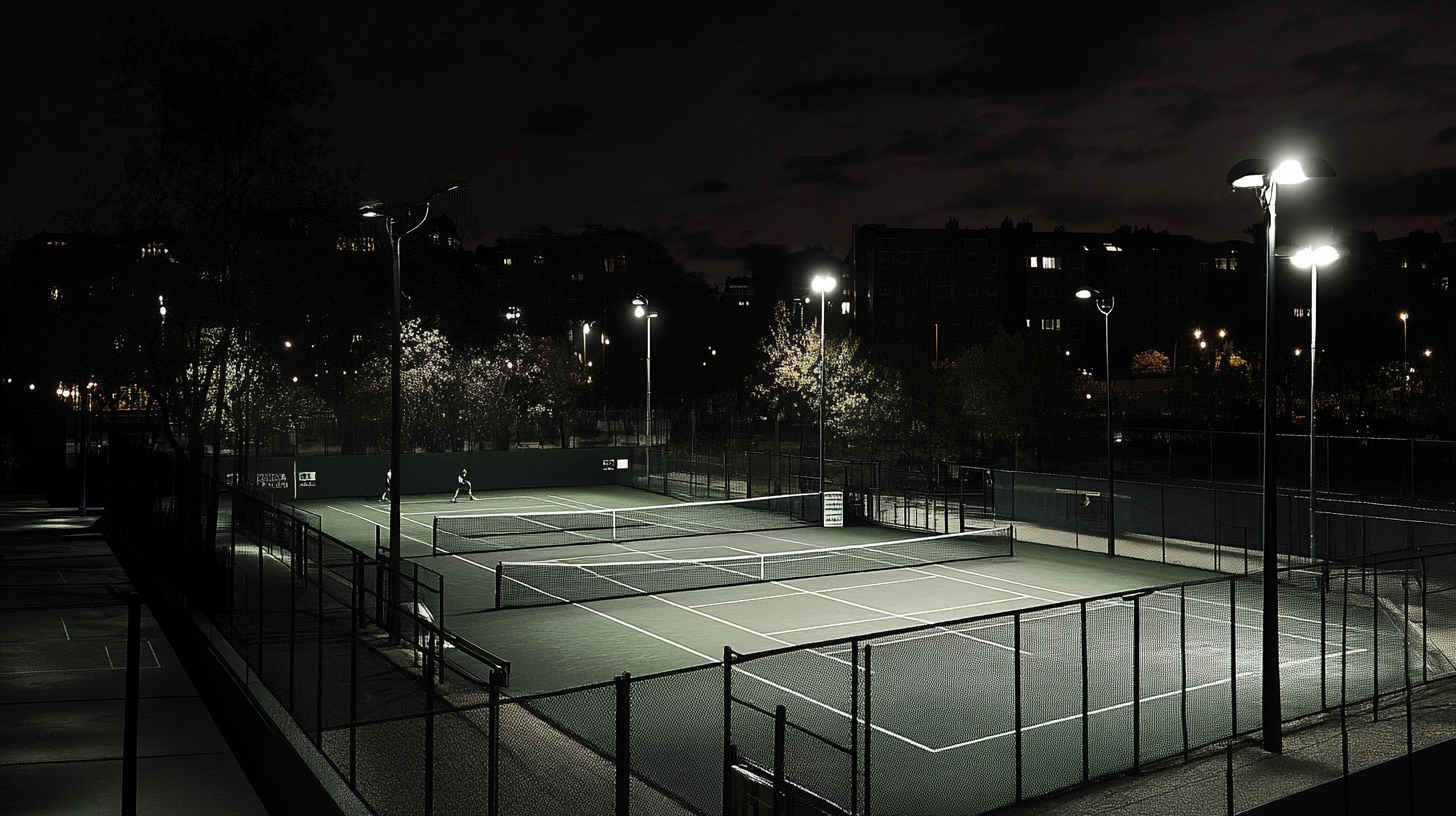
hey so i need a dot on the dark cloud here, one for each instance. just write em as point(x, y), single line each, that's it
point(827, 170)
point(709, 187)
point(560, 120)
point(1423, 193)
point(1379, 61)
point(1447, 136)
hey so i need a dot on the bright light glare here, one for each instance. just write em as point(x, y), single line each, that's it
point(1426, 353)
point(1198, 334)
point(288, 344)
point(1321, 256)
point(1298, 351)
point(1222, 333)
point(1289, 171)
point(162, 311)
point(1326, 255)
point(1084, 294)
point(1251, 180)
point(1404, 316)
point(638, 311)
point(1203, 344)
point(823, 283)
point(586, 328)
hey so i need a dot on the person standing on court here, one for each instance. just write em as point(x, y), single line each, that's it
point(462, 482)
point(388, 474)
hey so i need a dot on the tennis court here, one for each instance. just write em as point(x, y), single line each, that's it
point(564, 644)
point(1069, 670)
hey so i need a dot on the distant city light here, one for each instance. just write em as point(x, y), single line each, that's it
point(1222, 333)
point(1203, 344)
point(32, 386)
point(1298, 351)
point(1426, 353)
point(288, 344)
point(1198, 334)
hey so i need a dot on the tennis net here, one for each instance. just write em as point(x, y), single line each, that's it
point(540, 583)
point(493, 532)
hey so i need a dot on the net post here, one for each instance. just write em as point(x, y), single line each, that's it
point(624, 744)
point(1137, 682)
point(868, 729)
point(1082, 606)
point(441, 623)
point(748, 474)
point(727, 475)
point(435, 536)
point(854, 726)
point(1016, 680)
point(728, 758)
point(498, 568)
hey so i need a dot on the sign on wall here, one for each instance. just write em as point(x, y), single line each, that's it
point(308, 478)
point(834, 509)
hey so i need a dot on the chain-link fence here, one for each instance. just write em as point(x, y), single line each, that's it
point(1050, 697)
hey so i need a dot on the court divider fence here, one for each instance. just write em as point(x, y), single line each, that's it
point(1206, 526)
point(982, 712)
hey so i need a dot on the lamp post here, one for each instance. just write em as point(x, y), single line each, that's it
point(1105, 304)
point(1313, 259)
point(395, 237)
point(585, 330)
point(1405, 370)
point(1265, 177)
point(642, 309)
point(823, 283)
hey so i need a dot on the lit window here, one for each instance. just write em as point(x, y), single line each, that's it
point(1404, 263)
point(55, 294)
point(1299, 311)
point(505, 261)
point(1110, 247)
point(1048, 262)
point(844, 307)
point(1031, 261)
point(540, 259)
point(1444, 283)
point(1051, 324)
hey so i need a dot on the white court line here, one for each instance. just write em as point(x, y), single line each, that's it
point(65, 628)
point(110, 664)
point(690, 650)
point(892, 617)
point(1128, 704)
point(826, 589)
point(1254, 610)
point(865, 607)
point(376, 524)
point(384, 510)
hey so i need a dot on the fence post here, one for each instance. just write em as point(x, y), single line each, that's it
point(1016, 679)
point(624, 743)
point(319, 666)
point(1410, 768)
point(854, 726)
point(1233, 694)
point(728, 758)
point(1183, 664)
point(259, 551)
point(1137, 682)
point(1425, 616)
point(1344, 672)
point(129, 712)
point(727, 475)
point(292, 613)
point(1083, 609)
point(379, 569)
point(428, 676)
point(354, 614)
point(780, 804)
point(868, 699)
point(1375, 639)
point(1324, 589)
point(492, 756)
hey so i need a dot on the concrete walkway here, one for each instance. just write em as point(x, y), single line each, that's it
point(63, 622)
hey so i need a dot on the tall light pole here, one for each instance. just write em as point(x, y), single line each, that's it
point(1265, 177)
point(1313, 259)
point(395, 237)
point(1405, 371)
point(823, 283)
point(585, 330)
point(1105, 304)
point(642, 309)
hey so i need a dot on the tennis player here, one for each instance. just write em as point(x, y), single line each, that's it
point(462, 482)
point(387, 476)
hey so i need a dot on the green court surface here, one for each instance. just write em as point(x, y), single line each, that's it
point(950, 719)
point(552, 647)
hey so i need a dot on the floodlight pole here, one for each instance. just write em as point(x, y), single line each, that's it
point(1273, 736)
point(1313, 355)
point(822, 295)
point(1105, 306)
point(649, 382)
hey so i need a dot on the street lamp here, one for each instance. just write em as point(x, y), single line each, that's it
point(585, 330)
point(823, 283)
point(395, 237)
point(1313, 259)
point(1405, 357)
point(1264, 177)
point(1105, 304)
point(642, 309)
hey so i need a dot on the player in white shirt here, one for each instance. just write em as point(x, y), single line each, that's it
point(462, 482)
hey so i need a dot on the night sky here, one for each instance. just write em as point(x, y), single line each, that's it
point(757, 124)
